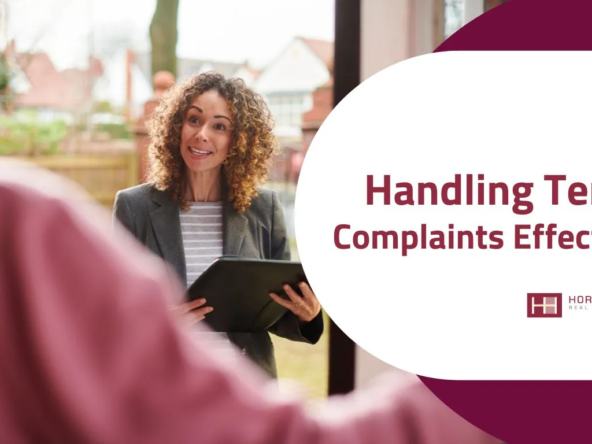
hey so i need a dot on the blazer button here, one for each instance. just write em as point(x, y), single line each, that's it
point(243, 351)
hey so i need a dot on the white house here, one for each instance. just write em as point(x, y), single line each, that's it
point(288, 81)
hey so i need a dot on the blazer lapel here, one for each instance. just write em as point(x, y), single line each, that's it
point(167, 229)
point(234, 229)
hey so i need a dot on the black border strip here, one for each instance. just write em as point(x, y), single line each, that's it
point(346, 76)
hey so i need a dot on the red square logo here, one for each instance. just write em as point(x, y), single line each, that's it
point(544, 305)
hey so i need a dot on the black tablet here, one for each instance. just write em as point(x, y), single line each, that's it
point(238, 290)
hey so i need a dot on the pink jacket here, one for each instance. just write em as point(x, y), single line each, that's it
point(90, 351)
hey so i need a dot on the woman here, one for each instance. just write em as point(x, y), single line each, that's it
point(90, 352)
point(211, 146)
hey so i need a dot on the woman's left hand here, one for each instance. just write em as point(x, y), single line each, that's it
point(305, 307)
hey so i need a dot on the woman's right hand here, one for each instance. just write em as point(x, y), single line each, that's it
point(192, 312)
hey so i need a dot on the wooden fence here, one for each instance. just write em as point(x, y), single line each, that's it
point(101, 175)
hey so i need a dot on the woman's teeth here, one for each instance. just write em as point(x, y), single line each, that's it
point(199, 152)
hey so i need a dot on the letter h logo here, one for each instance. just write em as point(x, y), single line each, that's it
point(544, 305)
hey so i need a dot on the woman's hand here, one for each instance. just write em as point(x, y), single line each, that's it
point(192, 312)
point(305, 307)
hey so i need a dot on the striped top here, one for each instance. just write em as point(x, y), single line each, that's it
point(201, 229)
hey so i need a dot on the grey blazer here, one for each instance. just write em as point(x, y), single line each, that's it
point(259, 233)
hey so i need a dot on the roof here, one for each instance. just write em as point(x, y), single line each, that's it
point(50, 88)
point(323, 49)
point(46, 85)
point(188, 67)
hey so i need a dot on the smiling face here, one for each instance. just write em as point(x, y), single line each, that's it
point(206, 134)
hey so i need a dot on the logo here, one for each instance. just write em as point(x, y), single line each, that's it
point(544, 305)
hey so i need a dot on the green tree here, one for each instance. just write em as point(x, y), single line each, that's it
point(6, 95)
point(163, 36)
point(4, 73)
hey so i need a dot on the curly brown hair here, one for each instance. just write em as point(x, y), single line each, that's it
point(253, 142)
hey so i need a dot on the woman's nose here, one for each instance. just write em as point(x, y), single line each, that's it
point(201, 133)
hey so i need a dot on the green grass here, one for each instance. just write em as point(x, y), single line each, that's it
point(307, 364)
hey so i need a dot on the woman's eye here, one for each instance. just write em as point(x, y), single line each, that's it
point(193, 120)
point(220, 127)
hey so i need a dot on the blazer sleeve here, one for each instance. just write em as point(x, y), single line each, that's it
point(288, 326)
point(122, 212)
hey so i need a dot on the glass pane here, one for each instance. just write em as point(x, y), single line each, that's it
point(453, 16)
point(101, 65)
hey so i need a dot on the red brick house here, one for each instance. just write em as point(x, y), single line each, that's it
point(49, 89)
point(322, 104)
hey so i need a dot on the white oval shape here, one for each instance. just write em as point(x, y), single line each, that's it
point(456, 313)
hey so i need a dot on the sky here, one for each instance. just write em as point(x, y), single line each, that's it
point(225, 30)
